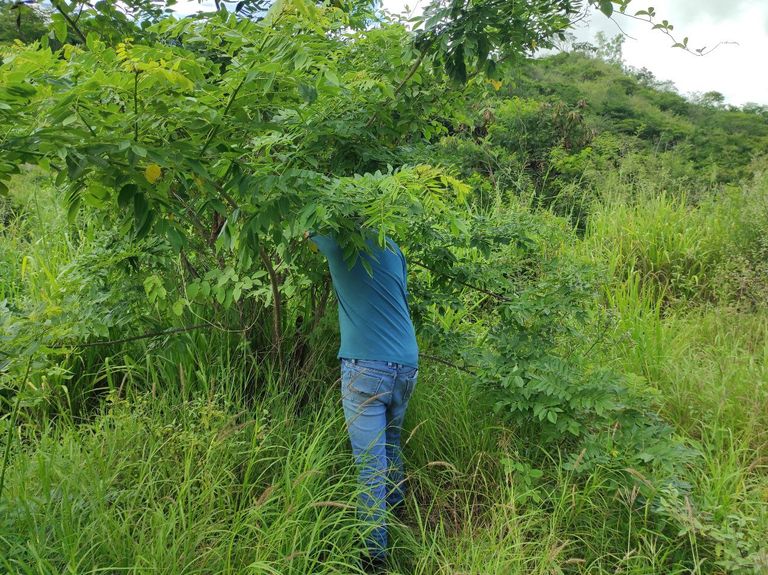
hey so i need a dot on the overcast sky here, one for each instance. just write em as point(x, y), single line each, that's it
point(738, 72)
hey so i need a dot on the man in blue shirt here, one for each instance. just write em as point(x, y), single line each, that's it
point(379, 364)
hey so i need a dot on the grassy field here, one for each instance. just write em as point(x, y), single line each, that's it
point(161, 456)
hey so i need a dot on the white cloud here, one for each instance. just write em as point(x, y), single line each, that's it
point(693, 11)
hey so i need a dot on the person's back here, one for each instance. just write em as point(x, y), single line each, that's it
point(379, 365)
point(374, 318)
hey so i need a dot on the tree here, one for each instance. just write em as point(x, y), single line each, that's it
point(711, 99)
point(610, 49)
point(223, 138)
point(21, 21)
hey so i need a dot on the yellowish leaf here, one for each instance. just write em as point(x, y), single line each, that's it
point(153, 173)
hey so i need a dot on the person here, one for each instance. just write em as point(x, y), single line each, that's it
point(379, 366)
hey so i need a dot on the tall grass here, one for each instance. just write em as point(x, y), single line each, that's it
point(687, 285)
point(29, 255)
point(711, 251)
point(213, 486)
point(191, 454)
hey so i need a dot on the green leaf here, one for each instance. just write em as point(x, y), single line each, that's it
point(606, 7)
point(126, 194)
point(307, 92)
point(179, 305)
point(73, 202)
point(146, 225)
point(193, 289)
point(59, 25)
point(153, 287)
point(139, 150)
point(220, 293)
point(76, 165)
point(552, 416)
point(176, 238)
point(331, 77)
point(140, 211)
point(91, 40)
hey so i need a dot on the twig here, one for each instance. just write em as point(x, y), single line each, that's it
point(613, 19)
point(135, 337)
point(498, 296)
point(80, 115)
point(215, 129)
point(136, 105)
point(404, 81)
point(664, 30)
point(277, 312)
point(71, 22)
point(193, 217)
point(448, 363)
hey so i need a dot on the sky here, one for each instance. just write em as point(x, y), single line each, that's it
point(736, 71)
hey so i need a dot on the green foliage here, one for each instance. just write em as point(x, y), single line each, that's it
point(719, 142)
point(19, 21)
point(713, 251)
point(199, 473)
point(190, 156)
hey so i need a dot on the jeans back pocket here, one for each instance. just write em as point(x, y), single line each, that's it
point(361, 381)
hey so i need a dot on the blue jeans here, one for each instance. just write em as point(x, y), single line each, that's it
point(375, 396)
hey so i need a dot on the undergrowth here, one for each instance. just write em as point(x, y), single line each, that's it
point(187, 453)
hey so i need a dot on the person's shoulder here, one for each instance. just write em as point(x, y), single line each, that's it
point(325, 242)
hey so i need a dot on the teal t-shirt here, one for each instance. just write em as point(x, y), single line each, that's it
point(374, 318)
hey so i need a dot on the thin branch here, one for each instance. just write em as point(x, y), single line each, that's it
point(69, 20)
point(613, 19)
point(193, 217)
point(277, 312)
point(448, 363)
point(191, 270)
point(82, 119)
point(666, 32)
point(80, 12)
point(23, 151)
point(215, 129)
point(498, 296)
point(414, 67)
point(136, 105)
point(134, 337)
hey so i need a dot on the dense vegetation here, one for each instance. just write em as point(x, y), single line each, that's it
point(588, 268)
